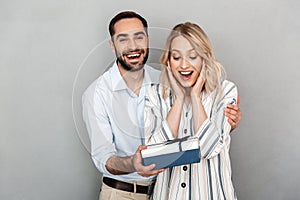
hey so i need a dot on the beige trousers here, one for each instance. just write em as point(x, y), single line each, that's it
point(108, 193)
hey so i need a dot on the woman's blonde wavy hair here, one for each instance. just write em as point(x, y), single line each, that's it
point(215, 72)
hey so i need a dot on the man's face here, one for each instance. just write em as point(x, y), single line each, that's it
point(130, 43)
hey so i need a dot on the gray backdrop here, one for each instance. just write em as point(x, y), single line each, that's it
point(51, 50)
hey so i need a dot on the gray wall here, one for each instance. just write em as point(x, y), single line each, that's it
point(51, 50)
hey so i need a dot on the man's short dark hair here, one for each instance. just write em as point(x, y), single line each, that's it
point(126, 15)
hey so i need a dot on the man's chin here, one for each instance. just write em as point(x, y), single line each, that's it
point(133, 67)
point(137, 68)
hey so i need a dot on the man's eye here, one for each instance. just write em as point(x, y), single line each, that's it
point(123, 40)
point(140, 38)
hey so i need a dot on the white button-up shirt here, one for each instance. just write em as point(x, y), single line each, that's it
point(113, 115)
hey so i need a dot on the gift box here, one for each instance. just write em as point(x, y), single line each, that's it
point(172, 153)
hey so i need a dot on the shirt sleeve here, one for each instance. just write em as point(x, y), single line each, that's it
point(156, 127)
point(98, 126)
point(215, 130)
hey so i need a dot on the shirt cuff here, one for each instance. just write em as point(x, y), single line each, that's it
point(203, 127)
point(100, 163)
point(167, 131)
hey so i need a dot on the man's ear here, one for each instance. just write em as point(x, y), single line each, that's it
point(148, 41)
point(111, 44)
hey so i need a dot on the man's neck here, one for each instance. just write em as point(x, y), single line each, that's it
point(133, 79)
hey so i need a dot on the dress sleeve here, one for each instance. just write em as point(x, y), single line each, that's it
point(214, 132)
point(156, 108)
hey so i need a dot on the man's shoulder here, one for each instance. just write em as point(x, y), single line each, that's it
point(101, 83)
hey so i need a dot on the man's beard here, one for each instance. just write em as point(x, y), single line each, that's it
point(129, 67)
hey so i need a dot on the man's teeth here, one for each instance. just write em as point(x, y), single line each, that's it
point(133, 55)
point(186, 73)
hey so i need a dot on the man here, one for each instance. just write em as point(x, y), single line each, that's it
point(113, 112)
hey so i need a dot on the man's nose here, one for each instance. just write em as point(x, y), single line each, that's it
point(132, 44)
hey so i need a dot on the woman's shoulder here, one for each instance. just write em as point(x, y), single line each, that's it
point(226, 84)
point(157, 89)
point(154, 91)
point(229, 89)
point(155, 94)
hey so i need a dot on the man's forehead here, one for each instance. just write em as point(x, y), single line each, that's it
point(129, 26)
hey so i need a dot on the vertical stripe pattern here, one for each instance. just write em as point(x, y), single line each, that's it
point(211, 178)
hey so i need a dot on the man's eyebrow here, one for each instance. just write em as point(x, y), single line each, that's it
point(126, 35)
point(139, 33)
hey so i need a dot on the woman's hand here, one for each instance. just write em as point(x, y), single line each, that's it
point(198, 86)
point(177, 90)
point(199, 114)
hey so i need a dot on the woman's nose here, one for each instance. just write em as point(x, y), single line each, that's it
point(184, 64)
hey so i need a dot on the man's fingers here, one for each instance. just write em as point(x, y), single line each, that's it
point(148, 168)
point(232, 123)
point(233, 106)
point(151, 173)
point(232, 117)
point(140, 168)
point(233, 112)
point(145, 169)
point(229, 111)
point(141, 147)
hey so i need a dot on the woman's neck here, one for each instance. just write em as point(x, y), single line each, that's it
point(187, 97)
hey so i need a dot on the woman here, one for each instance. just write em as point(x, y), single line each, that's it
point(189, 102)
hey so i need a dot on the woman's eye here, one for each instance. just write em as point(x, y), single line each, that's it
point(193, 57)
point(176, 58)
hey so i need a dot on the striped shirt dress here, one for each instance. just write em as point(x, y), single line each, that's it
point(211, 179)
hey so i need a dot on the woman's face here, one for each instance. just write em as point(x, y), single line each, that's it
point(185, 63)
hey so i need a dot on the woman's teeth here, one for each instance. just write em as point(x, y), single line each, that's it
point(186, 73)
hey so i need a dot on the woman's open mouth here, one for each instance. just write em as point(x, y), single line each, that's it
point(186, 74)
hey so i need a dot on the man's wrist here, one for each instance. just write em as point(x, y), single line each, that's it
point(120, 165)
point(131, 161)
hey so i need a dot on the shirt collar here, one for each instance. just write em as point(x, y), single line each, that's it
point(118, 82)
point(147, 77)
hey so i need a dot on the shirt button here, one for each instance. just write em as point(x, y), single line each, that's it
point(184, 168)
point(183, 185)
point(185, 131)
